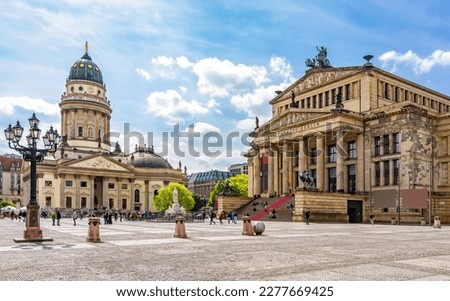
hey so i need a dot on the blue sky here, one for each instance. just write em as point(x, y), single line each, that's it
point(210, 65)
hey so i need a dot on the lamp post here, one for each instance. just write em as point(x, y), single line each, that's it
point(32, 154)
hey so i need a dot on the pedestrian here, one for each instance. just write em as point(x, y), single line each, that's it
point(372, 219)
point(235, 216)
point(58, 217)
point(213, 215)
point(307, 216)
point(229, 217)
point(221, 216)
point(74, 217)
point(53, 216)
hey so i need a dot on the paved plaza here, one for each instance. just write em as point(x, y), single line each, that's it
point(140, 250)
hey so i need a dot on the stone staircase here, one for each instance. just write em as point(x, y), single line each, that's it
point(277, 203)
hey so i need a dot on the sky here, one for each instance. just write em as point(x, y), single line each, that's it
point(189, 77)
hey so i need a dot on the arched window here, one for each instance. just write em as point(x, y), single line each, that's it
point(136, 196)
point(155, 192)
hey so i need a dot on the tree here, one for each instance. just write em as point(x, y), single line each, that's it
point(164, 199)
point(237, 183)
point(6, 203)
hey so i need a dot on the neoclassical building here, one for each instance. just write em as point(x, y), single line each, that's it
point(356, 131)
point(85, 172)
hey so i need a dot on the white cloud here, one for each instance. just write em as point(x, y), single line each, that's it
point(253, 102)
point(7, 105)
point(144, 74)
point(213, 104)
point(246, 125)
point(420, 65)
point(221, 78)
point(203, 128)
point(279, 66)
point(173, 107)
point(164, 61)
point(184, 63)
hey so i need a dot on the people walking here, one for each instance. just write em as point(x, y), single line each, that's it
point(307, 216)
point(53, 216)
point(213, 215)
point(58, 217)
point(74, 217)
point(372, 219)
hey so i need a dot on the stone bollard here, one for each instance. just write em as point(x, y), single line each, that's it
point(423, 222)
point(247, 226)
point(437, 222)
point(180, 229)
point(393, 222)
point(94, 230)
point(259, 227)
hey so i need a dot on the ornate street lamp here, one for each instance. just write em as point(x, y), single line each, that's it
point(32, 154)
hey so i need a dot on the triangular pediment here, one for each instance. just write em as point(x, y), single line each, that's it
point(98, 162)
point(315, 78)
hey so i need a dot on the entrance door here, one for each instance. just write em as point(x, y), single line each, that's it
point(354, 211)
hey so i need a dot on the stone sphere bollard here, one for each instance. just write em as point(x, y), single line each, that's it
point(259, 227)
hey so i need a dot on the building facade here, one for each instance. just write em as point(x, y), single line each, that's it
point(85, 172)
point(11, 179)
point(354, 131)
point(203, 183)
point(239, 168)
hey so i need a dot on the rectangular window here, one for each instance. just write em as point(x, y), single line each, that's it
point(111, 203)
point(68, 202)
point(48, 183)
point(396, 171)
point(83, 184)
point(351, 178)
point(69, 183)
point(386, 172)
point(327, 98)
point(332, 179)
point(124, 203)
point(332, 153)
point(386, 91)
point(347, 92)
point(80, 131)
point(83, 202)
point(396, 143)
point(377, 173)
point(351, 150)
point(48, 201)
point(111, 185)
point(124, 186)
point(313, 155)
point(377, 142)
point(386, 144)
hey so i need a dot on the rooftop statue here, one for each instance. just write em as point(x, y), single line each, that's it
point(320, 61)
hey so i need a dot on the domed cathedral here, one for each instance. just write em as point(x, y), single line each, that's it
point(85, 109)
point(87, 172)
point(351, 142)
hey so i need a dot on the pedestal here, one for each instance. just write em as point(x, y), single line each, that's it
point(32, 232)
point(437, 222)
point(180, 229)
point(94, 230)
point(247, 226)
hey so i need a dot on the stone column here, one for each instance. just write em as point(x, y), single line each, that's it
point(147, 195)
point(77, 202)
point(257, 173)
point(285, 187)
point(320, 172)
point(276, 172)
point(270, 174)
point(302, 155)
point(119, 192)
point(62, 184)
point(251, 172)
point(360, 167)
point(340, 161)
point(90, 204)
point(104, 192)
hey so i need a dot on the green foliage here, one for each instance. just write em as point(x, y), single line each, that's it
point(164, 199)
point(238, 185)
point(6, 203)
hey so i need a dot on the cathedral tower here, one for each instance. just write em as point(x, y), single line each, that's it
point(85, 109)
